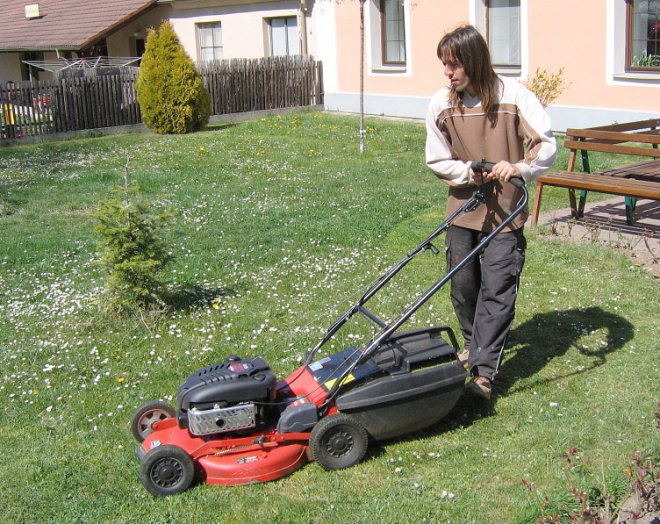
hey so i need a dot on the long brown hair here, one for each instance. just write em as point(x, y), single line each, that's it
point(466, 46)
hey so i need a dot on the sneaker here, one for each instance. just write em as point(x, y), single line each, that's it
point(480, 387)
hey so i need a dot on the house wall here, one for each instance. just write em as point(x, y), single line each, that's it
point(244, 28)
point(584, 38)
point(122, 42)
point(10, 67)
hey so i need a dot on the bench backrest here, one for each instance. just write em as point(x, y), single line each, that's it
point(615, 138)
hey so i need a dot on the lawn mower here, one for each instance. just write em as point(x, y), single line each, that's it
point(235, 423)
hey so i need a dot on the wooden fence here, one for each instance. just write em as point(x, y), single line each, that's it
point(241, 85)
point(97, 98)
point(85, 99)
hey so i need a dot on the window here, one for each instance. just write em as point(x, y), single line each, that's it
point(210, 41)
point(387, 35)
point(284, 36)
point(643, 35)
point(393, 32)
point(503, 29)
point(140, 46)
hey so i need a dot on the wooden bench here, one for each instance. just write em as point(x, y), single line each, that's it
point(639, 180)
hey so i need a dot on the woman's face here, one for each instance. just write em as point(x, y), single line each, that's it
point(456, 74)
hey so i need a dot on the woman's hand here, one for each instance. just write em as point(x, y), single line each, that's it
point(502, 171)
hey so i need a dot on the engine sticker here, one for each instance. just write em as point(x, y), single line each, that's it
point(318, 364)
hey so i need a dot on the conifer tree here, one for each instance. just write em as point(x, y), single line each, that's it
point(131, 250)
point(170, 91)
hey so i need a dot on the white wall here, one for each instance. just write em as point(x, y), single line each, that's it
point(244, 33)
point(323, 41)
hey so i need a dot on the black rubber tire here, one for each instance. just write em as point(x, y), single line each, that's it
point(167, 470)
point(338, 442)
point(146, 415)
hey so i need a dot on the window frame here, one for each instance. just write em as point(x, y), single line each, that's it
point(374, 41)
point(629, 67)
point(199, 26)
point(383, 35)
point(288, 43)
point(509, 67)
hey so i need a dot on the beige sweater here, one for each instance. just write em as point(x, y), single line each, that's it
point(521, 135)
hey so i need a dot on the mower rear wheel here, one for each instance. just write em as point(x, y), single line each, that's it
point(338, 442)
point(167, 470)
point(145, 416)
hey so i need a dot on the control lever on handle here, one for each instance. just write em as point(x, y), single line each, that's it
point(480, 167)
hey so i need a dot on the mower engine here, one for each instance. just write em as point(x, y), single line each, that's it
point(228, 397)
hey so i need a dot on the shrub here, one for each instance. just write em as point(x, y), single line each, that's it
point(170, 91)
point(131, 251)
point(547, 86)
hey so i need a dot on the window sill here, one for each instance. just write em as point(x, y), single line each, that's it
point(651, 77)
point(508, 71)
point(389, 69)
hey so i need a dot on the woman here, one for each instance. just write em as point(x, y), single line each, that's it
point(481, 116)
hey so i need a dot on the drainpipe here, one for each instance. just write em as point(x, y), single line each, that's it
point(303, 27)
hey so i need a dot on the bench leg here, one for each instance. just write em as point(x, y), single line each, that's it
point(631, 203)
point(537, 203)
point(583, 201)
point(571, 198)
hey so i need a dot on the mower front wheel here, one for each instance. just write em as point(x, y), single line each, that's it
point(167, 470)
point(338, 442)
point(146, 415)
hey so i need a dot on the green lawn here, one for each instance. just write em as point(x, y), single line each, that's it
point(281, 224)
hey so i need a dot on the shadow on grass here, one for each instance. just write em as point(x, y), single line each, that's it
point(534, 343)
point(465, 413)
point(193, 296)
point(219, 126)
point(549, 335)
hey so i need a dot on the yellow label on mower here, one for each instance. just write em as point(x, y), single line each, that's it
point(328, 385)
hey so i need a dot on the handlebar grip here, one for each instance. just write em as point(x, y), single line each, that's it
point(480, 167)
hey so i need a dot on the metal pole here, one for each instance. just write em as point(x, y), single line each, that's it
point(362, 130)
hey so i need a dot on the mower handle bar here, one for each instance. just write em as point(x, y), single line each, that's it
point(387, 330)
point(476, 199)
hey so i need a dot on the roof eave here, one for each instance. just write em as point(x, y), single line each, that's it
point(117, 25)
point(26, 49)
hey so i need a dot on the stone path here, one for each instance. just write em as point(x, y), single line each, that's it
point(605, 222)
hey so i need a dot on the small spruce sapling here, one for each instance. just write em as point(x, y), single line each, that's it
point(131, 250)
